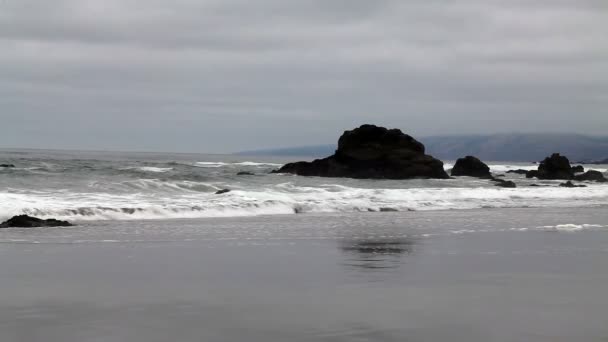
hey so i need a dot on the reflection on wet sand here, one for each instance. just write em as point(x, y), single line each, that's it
point(376, 254)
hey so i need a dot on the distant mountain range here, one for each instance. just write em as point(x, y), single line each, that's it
point(498, 147)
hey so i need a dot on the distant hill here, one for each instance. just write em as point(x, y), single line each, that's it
point(499, 147)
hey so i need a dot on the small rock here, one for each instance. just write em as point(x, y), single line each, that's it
point(505, 184)
point(519, 171)
point(569, 184)
point(385, 210)
point(7, 165)
point(25, 221)
point(223, 191)
point(245, 173)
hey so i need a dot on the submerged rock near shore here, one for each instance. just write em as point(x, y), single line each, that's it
point(472, 167)
point(372, 152)
point(554, 167)
point(25, 221)
point(558, 167)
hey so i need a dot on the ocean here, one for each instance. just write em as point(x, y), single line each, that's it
point(155, 255)
point(135, 186)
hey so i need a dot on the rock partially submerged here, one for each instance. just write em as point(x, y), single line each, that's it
point(504, 183)
point(223, 191)
point(518, 171)
point(591, 175)
point(245, 173)
point(558, 167)
point(7, 165)
point(472, 167)
point(569, 184)
point(554, 167)
point(371, 152)
point(25, 221)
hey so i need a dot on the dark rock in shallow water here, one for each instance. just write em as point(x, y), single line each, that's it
point(387, 210)
point(554, 167)
point(472, 167)
point(375, 153)
point(519, 172)
point(504, 183)
point(25, 221)
point(578, 169)
point(531, 173)
point(223, 191)
point(245, 173)
point(7, 165)
point(569, 184)
point(591, 175)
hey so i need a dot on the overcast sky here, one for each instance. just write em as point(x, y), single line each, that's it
point(228, 75)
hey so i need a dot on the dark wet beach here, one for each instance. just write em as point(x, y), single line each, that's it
point(483, 275)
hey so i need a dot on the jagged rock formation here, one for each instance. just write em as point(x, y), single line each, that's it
point(373, 152)
point(558, 167)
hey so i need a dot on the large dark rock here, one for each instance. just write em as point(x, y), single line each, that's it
point(591, 175)
point(472, 167)
point(554, 167)
point(25, 221)
point(373, 152)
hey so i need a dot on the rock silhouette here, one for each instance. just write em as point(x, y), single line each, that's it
point(472, 167)
point(25, 221)
point(372, 152)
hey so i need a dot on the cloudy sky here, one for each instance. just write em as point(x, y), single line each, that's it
point(227, 75)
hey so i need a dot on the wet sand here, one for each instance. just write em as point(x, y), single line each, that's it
point(480, 275)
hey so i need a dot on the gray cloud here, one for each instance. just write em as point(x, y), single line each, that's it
point(224, 75)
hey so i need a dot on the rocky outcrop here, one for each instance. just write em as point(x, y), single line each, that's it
point(591, 175)
point(553, 167)
point(25, 221)
point(472, 167)
point(375, 153)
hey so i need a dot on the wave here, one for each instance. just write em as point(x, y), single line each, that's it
point(223, 164)
point(152, 169)
point(194, 199)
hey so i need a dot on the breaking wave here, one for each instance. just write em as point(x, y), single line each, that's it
point(156, 199)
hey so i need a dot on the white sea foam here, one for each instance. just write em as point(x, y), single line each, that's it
point(153, 199)
point(223, 164)
point(569, 227)
point(505, 167)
